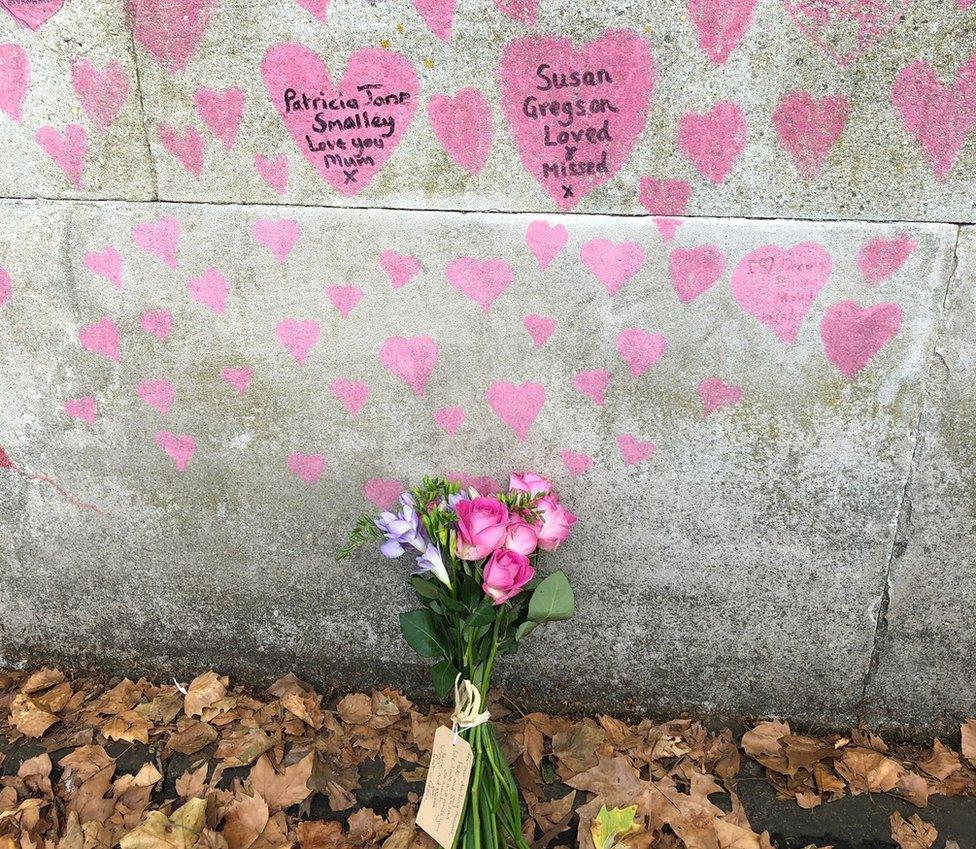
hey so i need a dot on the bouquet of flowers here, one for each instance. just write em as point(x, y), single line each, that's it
point(476, 580)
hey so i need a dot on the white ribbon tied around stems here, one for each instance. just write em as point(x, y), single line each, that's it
point(467, 707)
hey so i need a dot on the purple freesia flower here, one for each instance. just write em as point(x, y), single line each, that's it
point(402, 530)
point(431, 561)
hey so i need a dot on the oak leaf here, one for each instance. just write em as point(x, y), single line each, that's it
point(913, 833)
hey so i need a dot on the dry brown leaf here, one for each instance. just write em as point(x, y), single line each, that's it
point(192, 737)
point(129, 725)
point(914, 788)
point(967, 732)
point(942, 763)
point(181, 830)
point(85, 761)
point(282, 790)
point(764, 739)
point(41, 680)
point(316, 834)
point(29, 719)
point(244, 748)
point(355, 709)
point(204, 691)
point(575, 748)
point(193, 783)
point(868, 771)
point(729, 836)
point(913, 833)
point(89, 800)
point(245, 821)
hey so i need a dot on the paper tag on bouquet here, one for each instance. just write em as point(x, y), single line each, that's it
point(447, 786)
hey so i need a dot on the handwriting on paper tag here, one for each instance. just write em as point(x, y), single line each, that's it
point(447, 786)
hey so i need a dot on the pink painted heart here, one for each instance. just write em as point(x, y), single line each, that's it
point(238, 379)
point(158, 323)
point(158, 394)
point(6, 287)
point(318, 9)
point(639, 349)
point(298, 336)
point(179, 448)
point(576, 464)
point(715, 140)
point(15, 74)
point(938, 117)
point(31, 13)
point(352, 394)
point(852, 335)
point(545, 240)
point(186, 146)
point(411, 359)
point(483, 484)
point(522, 11)
point(481, 280)
point(221, 112)
point(540, 328)
point(309, 467)
point(160, 238)
point(344, 151)
point(879, 257)
point(210, 289)
point(279, 237)
point(171, 30)
point(633, 450)
point(438, 15)
point(107, 264)
point(82, 409)
point(102, 338)
point(401, 269)
point(463, 126)
point(845, 30)
point(274, 172)
point(383, 493)
point(518, 406)
point(720, 25)
point(664, 198)
point(344, 298)
point(965, 5)
point(593, 384)
point(695, 270)
point(613, 77)
point(612, 263)
point(779, 286)
point(67, 150)
point(809, 128)
point(449, 419)
point(715, 394)
point(102, 94)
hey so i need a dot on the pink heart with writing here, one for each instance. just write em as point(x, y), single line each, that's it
point(102, 94)
point(845, 30)
point(318, 9)
point(939, 117)
point(383, 493)
point(221, 112)
point(15, 74)
point(160, 238)
point(344, 298)
point(344, 153)
point(695, 270)
point(715, 394)
point(238, 379)
point(411, 359)
point(6, 287)
point(612, 263)
point(518, 406)
point(400, 268)
point(309, 467)
point(779, 286)
point(67, 150)
point(593, 384)
point(852, 336)
point(274, 172)
point(279, 237)
point(522, 11)
point(449, 419)
point(158, 323)
point(31, 13)
point(639, 349)
point(879, 257)
point(481, 280)
point(720, 25)
point(106, 263)
point(171, 30)
point(809, 128)
point(179, 448)
point(298, 336)
point(102, 338)
point(540, 328)
point(545, 240)
point(82, 409)
point(438, 15)
point(352, 394)
point(576, 464)
point(158, 394)
point(617, 75)
point(186, 146)
point(210, 289)
point(715, 140)
point(664, 198)
point(463, 126)
point(633, 450)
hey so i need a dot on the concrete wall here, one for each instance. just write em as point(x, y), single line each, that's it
point(777, 512)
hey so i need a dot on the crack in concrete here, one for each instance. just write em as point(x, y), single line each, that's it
point(143, 114)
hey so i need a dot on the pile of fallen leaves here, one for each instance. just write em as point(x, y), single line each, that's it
point(208, 766)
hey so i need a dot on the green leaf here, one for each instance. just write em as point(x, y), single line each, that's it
point(613, 823)
point(425, 588)
point(443, 674)
point(484, 614)
point(552, 600)
point(420, 630)
point(526, 628)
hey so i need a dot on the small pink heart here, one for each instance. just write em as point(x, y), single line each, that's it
point(15, 74)
point(82, 409)
point(179, 448)
point(170, 30)
point(481, 280)
point(308, 467)
point(298, 336)
point(518, 406)
point(545, 240)
point(279, 237)
point(352, 394)
point(411, 359)
point(713, 141)
point(522, 11)
point(715, 394)
point(540, 328)
point(101, 338)
point(720, 25)
point(274, 172)
point(695, 270)
point(633, 450)
point(400, 268)
point(106, 263)
point(31, 13)
point(612, 263)
point(237, 378)
point(879, 257)
point(845, 30)
point(187, 146)
point(438, 15)
point(158, 323)
point(210, 289)
point(221, 112)
point(102, 94)
point(483, 484)
point(318, 9)
point(344, 298)
point(664, 198)
point(160, 238)
point(639, 349)
point(67, 150)
point(852, 335)
point(593, 384)
point(6, 287)
point(463, 126)
point(576, 464)
point(383, 493)
point(449, 419)
point(809, 128)
point(158, 394)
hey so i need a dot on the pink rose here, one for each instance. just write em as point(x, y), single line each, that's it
point(482, 526)
point(529, 482)
point(520, 536)
point(555, 523)
point(505, 575)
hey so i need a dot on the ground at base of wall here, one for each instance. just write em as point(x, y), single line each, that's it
point(85, 763)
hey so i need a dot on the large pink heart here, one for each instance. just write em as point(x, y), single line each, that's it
point(809, 128)
point(517, 406)
point(720, 25)
point(346, 132)
point(613, 263)
point(575, 114)
point(298, 337)
point(102, 338)
point(101, 93)
point(481, 280)
point(463, 126)
point(713, 141)
point(845, 30)
point(412, 360)
point(31, 13)
point(67, 150)
point(171, 30)
point(221, 111)
point(852, 336)
point(15, 75)
point(695, 270)
point(879, 257)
